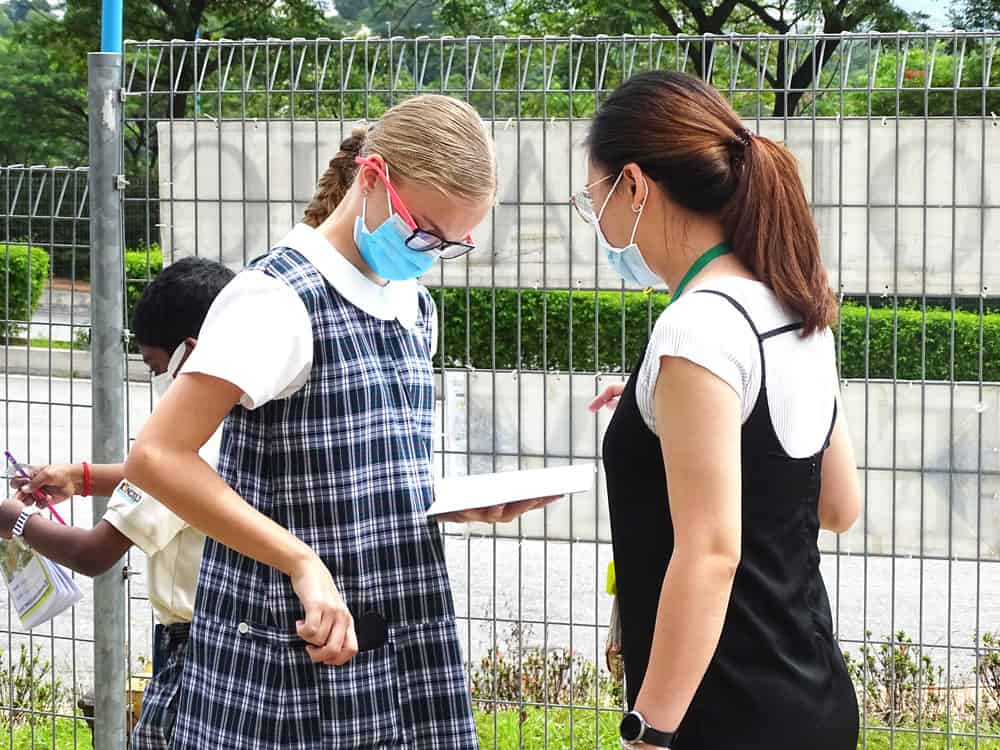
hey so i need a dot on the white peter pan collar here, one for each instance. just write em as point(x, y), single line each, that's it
point(397, 300)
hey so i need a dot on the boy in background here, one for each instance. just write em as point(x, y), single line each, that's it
point(167, 321)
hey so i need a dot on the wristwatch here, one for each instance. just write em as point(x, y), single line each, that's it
point(634, 729)
point(22, 520)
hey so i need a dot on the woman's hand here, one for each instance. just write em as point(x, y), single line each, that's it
point(328, 626)
point(609, 398)
point(502, 513)
point(57, 482)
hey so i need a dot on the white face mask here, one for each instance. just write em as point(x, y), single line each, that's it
point(163, 381)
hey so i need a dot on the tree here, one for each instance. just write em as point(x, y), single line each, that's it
point(976, 15)
point(44, 62)
point(395, 17)
point(788, 76)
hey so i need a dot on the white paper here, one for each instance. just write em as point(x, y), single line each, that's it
point(39, 588)
point(484, 490)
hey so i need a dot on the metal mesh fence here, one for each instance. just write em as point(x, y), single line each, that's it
point(45, 674)
point(898, 146)
point(899, 149)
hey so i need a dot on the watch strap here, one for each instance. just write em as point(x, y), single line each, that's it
point(656, 738)
point(22, 520)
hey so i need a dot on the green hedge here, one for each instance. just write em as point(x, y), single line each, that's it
point(140, 267)
point(25, 271)
point(559, 328)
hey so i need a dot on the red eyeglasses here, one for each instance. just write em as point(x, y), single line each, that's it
point(421, 240)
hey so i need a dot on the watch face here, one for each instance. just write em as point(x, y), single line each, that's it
point(631, 727)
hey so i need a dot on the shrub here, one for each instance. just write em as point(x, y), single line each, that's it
point(141, 267)
point(895, 683)
point(988, 670)
point(606, 331)
point(27, 687)
point(511, 673)
point(25, 272)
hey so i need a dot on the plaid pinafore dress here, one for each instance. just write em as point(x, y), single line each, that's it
point(345, 465)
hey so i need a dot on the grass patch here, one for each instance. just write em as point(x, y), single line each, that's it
point(587, 728)
point(505, 730)
point(69, 735)
point(44, 344)
point(932, 739)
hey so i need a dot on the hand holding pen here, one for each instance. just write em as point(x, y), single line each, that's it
point(40, 498)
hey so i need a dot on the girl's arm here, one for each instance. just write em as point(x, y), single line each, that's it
point(87, 551)
point(164, 461)
point(699, 418)
point(840, 493)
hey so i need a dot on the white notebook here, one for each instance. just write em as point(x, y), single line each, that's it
point(39, 588)
point(484, 490)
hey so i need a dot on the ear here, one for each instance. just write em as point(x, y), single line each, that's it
point(637, 184)
point(367, 177)
point(189, 344)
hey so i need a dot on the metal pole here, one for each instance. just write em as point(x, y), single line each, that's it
point(108, 359)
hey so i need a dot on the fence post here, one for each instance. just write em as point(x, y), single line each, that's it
point(108, 372)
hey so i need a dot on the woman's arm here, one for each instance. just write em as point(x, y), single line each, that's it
point(164, 461)
point(700, 423)
point(840, 493)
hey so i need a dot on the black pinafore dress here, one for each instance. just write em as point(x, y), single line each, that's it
point(778, 678)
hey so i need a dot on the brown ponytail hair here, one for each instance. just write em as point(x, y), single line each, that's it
point(433, 140)
point(337, 178)
point(686, 137)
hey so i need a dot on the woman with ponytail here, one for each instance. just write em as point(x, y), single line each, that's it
point(324, 617)
point(727, 633)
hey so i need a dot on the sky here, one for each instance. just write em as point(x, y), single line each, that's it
point(936, 9)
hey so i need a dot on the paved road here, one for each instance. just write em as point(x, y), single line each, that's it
point(561, 583)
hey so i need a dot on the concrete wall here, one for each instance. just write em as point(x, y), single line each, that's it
point(902, 206)
point(922, 474)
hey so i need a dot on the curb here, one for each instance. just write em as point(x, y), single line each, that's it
point(61, 363)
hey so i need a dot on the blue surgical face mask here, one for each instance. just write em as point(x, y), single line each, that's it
point(627, 261)
point(385, 250)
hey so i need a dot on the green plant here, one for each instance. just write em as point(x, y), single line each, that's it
point(988, 671)
point(512, 673)
point(81, 339)
point(141, 267)
point(606, 332)
point(511, 329)
point(897, 684)
point(28, 687)
point(25, 270)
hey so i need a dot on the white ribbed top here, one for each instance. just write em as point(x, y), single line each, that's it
point(709, 331)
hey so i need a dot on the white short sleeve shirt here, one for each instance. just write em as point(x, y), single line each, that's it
point(258, 334)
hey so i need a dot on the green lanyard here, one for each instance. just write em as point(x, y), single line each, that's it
point(707, 257)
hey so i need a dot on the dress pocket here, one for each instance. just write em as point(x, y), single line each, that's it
point(360, 702)
point(437, 708)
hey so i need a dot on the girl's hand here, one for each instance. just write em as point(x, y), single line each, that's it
point(328, 626)
point(609, 398)
point(503, 513)
point(9, 511)
point(58, 482)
